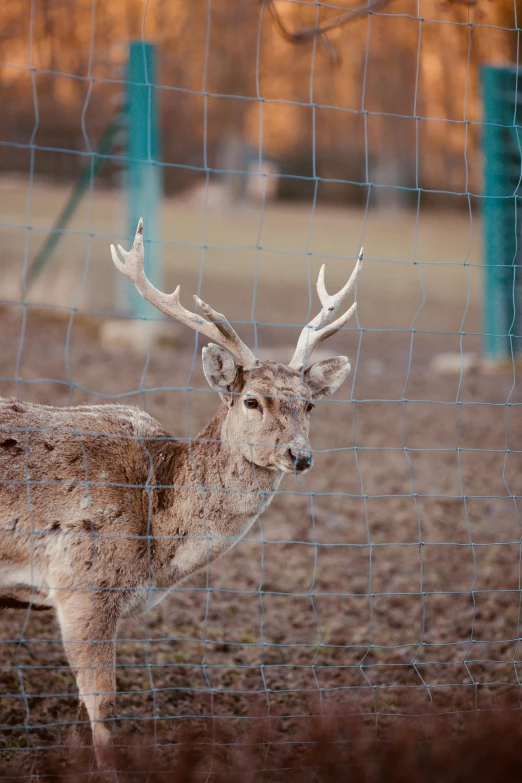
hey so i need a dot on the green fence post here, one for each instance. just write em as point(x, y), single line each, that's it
point(143, 172)
point(501, 185)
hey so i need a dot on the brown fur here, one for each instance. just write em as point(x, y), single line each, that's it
point(103, 512)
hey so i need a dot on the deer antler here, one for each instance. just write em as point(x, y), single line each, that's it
point(216, 328)
point(320, 327)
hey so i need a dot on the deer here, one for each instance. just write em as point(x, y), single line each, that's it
point(103, 513)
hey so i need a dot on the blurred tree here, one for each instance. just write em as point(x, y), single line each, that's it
point(401, 108)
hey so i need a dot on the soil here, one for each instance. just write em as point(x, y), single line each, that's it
point(388, 577)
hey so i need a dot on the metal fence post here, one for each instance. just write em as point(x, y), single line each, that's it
point(143, 172)
point(501, 145)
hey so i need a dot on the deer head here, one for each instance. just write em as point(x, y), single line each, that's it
point(268, 404)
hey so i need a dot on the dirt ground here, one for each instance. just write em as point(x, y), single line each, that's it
point(389, 576)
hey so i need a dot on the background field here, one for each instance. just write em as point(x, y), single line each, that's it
point(421, 258)
point(391, 573)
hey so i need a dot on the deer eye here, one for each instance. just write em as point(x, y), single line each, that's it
point(251, 403)
point(309, 407)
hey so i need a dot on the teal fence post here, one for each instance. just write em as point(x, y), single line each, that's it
point(501, 145)
point(143, 172)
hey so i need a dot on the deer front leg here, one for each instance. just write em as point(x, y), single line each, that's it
point(88, 625)
point(81, 734)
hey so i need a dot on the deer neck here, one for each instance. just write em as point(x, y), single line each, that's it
point(217, 494)
point(221, 465)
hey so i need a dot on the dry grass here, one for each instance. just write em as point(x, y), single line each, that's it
point(327, 751)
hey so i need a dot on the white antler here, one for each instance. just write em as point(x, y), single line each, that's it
point(320, 327)
point(216, 328)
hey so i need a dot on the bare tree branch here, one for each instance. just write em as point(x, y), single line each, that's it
point(320, 31)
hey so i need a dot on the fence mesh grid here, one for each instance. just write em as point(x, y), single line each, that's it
point(389, 574)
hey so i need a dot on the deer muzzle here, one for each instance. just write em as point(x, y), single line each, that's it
point(302, 460)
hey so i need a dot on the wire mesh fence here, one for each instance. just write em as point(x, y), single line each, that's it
point(385, 582)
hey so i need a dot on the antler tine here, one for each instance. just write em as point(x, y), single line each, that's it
point(130, 263)
point(217, 318)
point(324, 297)
point(217, 328)
point(321, 327)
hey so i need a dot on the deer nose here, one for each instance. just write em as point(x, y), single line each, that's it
point(302, 460)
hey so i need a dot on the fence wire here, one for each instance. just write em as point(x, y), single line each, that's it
point(387, 581)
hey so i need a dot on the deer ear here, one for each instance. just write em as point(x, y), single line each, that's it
point(325, 377)
point(220, 371)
